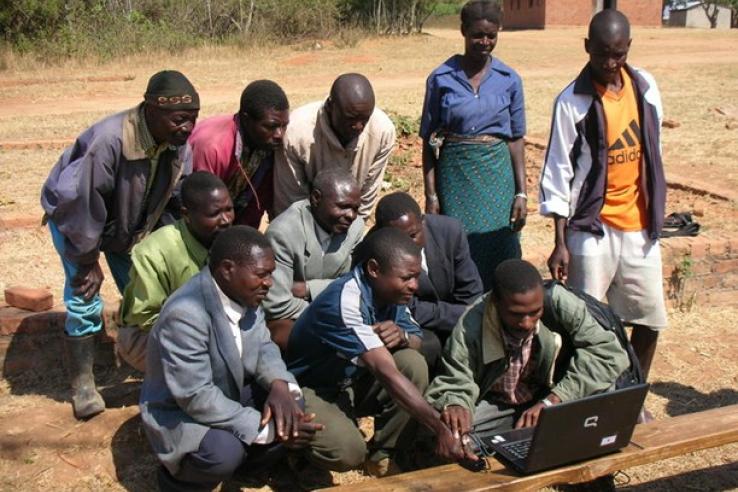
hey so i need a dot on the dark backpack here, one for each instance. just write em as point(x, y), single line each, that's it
point(605, 317)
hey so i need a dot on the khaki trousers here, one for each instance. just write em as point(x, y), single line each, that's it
point(341, 446)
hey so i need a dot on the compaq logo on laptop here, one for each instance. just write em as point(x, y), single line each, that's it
point(591, 421)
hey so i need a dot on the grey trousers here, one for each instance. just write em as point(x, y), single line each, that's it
point(340, 446)
point(131, 346)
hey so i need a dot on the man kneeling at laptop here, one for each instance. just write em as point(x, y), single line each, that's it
point(501, 365)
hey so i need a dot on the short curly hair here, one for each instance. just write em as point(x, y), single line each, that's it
point(262, 95)
point(475, 10)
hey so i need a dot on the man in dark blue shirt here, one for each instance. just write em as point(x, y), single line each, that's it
point(354, 351)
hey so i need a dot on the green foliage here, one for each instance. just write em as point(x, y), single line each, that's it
point(681, 297)
point(56, 29)
point(448, 8)
point(405, 125)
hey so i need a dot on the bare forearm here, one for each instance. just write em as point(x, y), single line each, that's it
point(429, 170)
point(517, 155)
point(405, 394)
point(560, 228)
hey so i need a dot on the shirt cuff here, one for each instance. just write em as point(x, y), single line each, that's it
point(266, 434)
point(295, 391)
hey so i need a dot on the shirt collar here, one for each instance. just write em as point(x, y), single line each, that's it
point(364, 287)
point(324, 237)
point(492, 345)
point(144, 139)
point(493, 340)
point(453, 64)
point(324, 124)
point(233, 311)
point(239, 147)
point(197, 251)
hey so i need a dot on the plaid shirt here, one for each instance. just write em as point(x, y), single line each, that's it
point(515, 386)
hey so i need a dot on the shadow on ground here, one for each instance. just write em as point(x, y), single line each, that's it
point(716, 478)
point(684, 399)
point(35, 363)
point(135, 464)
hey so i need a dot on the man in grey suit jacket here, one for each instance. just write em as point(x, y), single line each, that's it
point(312, 240)
point(216, 392)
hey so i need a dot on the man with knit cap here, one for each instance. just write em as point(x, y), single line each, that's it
point(113, 186)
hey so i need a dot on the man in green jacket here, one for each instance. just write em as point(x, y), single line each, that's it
point(500, 366)
point(168, 258)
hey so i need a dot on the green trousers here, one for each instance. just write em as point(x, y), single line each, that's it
point(341, 446)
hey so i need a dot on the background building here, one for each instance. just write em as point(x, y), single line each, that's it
point(539, 14)
point(693, 14)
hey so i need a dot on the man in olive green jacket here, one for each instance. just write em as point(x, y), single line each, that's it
point(499, 365)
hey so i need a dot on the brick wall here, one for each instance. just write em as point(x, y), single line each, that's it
point(641, 12)
point(702, 270)
point(568, 12)
point(524, 14)
point(537, 14)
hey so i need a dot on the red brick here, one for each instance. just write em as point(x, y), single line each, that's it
point(733, 243)
point(729, 281)
point(14, 320)
point(17, 221)
point(701, 267)
point(29, 299)
point(724, 266)
point(723, 298)
point(676, 246)
point(719, 247)
point(712, 281)
point(700, 247)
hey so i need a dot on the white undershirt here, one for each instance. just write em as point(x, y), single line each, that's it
point(324, 238)
point(234, 312)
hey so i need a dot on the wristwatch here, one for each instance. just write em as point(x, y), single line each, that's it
point(407, 338)
point(546, 402)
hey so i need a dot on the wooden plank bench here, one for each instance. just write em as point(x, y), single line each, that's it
point(656, 441)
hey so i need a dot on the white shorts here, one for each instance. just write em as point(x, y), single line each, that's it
point(622, 267)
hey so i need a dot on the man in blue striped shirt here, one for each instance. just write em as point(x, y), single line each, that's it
point(354, 351)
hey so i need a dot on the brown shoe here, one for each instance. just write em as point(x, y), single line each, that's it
point(383, 468)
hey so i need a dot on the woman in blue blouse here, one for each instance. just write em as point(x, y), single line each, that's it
point(472, 127)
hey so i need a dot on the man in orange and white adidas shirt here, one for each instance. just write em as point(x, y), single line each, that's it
point(603, 184)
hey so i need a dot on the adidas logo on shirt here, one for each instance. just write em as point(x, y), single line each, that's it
point(627, 148)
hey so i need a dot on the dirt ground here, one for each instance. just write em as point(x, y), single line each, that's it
point(42, 446)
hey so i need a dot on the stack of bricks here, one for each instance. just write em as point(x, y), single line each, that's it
point(706, 265)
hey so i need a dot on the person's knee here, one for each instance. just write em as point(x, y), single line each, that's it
point(412, 365)
point(349, 454)
point(219, 455)
point(431, 350)
point(131, 346)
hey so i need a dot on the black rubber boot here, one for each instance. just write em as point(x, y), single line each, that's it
point(86, 401)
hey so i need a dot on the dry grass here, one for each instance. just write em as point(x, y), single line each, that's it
point(697, 72)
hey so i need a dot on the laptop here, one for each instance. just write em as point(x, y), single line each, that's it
point(569, 432)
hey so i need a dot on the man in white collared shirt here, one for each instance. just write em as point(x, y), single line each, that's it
point(217, 394)
point(346, 131)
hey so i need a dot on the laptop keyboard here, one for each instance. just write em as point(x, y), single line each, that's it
point(519, 449)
